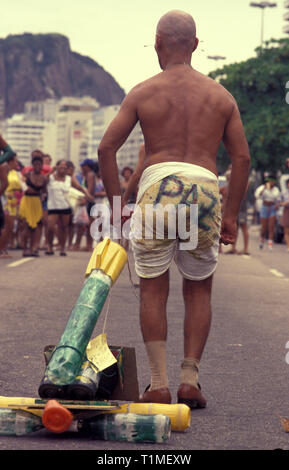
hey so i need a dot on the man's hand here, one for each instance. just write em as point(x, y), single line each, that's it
point(228, 231)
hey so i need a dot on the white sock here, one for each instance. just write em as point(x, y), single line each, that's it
point(156, 351)
point(189, 371)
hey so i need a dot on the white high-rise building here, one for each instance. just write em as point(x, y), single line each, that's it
point(70, 129)
point(41, 110)
point(71, 124)
point(128, 153)
point(25, 135)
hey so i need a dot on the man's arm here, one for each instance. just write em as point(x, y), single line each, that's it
point(75, 184)
point(90, 180)
point(113, 139)
point(237, 147)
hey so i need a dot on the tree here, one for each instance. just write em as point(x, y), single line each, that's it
point(259, 87)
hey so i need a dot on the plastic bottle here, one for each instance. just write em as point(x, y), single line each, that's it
point(179, 414)
point(127, 427)
point(18, 422)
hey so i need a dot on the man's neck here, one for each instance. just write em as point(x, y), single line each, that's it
point(170, 65)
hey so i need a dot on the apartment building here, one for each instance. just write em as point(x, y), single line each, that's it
point(100, 120)
point(71, 124)
point(26, 135)
point(70, 128)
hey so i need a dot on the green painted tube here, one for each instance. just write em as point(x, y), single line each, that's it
point(69, 354)
point(18, 422)
point(128, 427)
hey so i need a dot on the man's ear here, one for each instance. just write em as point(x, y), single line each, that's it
point(158, 41)
point(196, 43)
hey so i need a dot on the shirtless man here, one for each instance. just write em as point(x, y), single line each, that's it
point(184, 116)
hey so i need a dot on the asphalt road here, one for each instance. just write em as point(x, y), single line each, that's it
point(244, 374)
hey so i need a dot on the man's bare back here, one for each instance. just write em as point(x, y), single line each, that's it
point(183, 115)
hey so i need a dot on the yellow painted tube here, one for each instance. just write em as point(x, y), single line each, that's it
point(22, 403)
point(109, 257)
point(179, 414)
point(37, 405)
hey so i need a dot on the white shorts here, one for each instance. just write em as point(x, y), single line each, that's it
point(154, 254)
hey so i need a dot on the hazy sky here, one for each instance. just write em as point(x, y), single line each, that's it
point(114, 32)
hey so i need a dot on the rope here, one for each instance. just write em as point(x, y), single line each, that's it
point(132, 283)
point(109, 297)
point(106, 314)
point(67, 346)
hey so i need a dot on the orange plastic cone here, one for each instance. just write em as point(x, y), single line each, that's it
point(56, 417)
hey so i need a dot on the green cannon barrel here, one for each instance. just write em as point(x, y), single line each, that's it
point(69, 354)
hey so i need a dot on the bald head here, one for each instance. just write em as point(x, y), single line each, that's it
point(177, 29)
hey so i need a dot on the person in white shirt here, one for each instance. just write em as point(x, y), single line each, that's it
point(270, 196)
point(59, 210)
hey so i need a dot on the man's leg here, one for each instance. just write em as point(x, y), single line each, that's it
point(197, 298)
point(51, 222)
point(264, 229)
point(245, 231)
point(63, 230)
point(154, 294)
point(271, 230)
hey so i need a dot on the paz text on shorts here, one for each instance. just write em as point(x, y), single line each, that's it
point(153, 221)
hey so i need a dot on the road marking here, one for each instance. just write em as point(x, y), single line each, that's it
point(276, 273)
point(20, 261)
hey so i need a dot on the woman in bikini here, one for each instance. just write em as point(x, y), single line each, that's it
point(30, 209)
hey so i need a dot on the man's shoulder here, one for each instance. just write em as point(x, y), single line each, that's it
point(206, 85)
point(146, 85)
point(218, 91)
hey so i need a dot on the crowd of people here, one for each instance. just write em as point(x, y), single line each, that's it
point(45, 207)
point(270, 207)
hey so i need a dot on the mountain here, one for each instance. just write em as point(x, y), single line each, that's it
point(34, 67)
